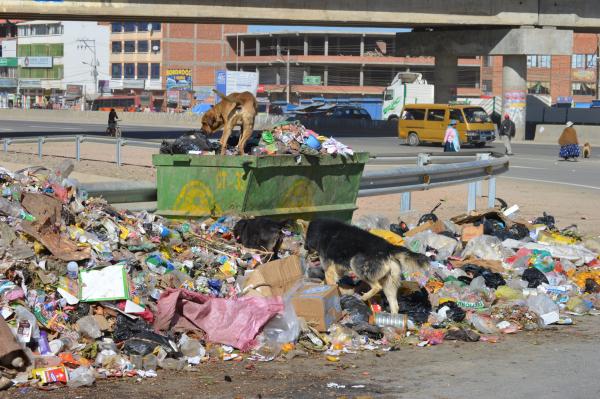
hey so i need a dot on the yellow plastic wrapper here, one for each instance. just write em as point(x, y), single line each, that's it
point(389, 236)
point(580, 277)
point(510, 294)
point(555, 238)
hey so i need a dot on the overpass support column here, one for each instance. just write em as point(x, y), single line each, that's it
point(514, 91)
point(445, 77)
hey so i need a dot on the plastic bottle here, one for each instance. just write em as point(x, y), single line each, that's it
point(402, 321)
point(172, 364)
point(43, 343)
point(12, 209)
point(137, 361)
point(24, 315)
point(80, 377)
point(191, 348)
point(72, 270)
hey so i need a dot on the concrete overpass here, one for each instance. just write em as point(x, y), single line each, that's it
point(570, 14)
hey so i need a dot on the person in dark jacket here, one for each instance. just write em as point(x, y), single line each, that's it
point(507, 132)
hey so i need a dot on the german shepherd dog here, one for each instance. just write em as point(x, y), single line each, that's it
point(342, 247)
point(234, 109)
point(260, 233)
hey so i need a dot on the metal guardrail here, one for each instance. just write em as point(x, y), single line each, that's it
point(406, 179)
point(80, 139)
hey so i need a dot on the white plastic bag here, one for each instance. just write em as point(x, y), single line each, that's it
point(487, 248)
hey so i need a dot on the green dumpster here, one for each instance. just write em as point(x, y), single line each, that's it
point(283, 186)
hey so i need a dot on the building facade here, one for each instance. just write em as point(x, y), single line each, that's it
point(169, 65)
point(8, 63)
point(60, 62)
point(334, 64)
point(561, 78)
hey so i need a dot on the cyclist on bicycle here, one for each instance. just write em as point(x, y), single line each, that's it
point(112, 121)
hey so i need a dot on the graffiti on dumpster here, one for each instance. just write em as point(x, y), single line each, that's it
point(225, 180)
point(196, 198)
point(299, 195)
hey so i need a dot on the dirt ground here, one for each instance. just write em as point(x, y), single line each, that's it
point(555, 363)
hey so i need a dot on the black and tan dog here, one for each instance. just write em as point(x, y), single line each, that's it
point(260, 233)
point(233, 110)
point(342, 247)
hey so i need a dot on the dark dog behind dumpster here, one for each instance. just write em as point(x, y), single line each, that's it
point(260, 233)
point(380, 264)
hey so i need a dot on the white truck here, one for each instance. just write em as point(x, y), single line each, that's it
point(406, 88)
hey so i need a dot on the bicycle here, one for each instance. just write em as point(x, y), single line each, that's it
point(114, 131)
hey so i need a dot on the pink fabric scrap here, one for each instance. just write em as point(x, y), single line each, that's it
point(234, 322)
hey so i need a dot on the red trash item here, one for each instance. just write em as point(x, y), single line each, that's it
point(233, 322)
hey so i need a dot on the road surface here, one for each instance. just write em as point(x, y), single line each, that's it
point(531, 162)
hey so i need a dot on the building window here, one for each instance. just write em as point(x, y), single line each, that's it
point(129, 46)
point(117, 47)
point(155, 71)
point(55, 29)
point(583, 61)
point(129, 26)
point(583, 89)
point(39, 30)
point(486, 86)
point(156, 26)
point(155, 46)
point(142, 46)
point(23, 30)
point(487, 61)
point(539, 61)
point(116, 71)
point(538, 87)
point(142, 26)
point(142, 71)
point(129, 70)
point(116, 27)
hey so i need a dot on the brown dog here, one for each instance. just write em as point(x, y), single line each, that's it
point(234, 109)
point(587, 150)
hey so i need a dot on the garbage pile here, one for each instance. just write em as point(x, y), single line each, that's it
point(89, 293)
point(288, 137)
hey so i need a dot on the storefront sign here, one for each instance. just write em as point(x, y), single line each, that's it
point(10, 62)
point(31, 83)
point(228, 82)
point(314, 80)
point(133, 84)
point(8, 82)
point(74, 90)
point(179, 79)
point(36, 62)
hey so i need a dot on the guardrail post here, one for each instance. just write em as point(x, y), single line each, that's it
point(6, 142)
point(40, 143)
point(472, 197)
point(405, 202)
point(491, 192)
point(118, 145)
point(77, 148)
point(481, 157)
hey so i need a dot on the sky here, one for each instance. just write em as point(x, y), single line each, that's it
point(281, 28)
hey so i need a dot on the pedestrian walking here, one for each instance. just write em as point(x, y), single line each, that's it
point(451, 139)
point(569, 144)
point(507, 132)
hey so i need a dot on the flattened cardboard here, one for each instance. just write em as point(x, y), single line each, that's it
point(274, 278)
point(318, 304)
point(436, 227)
point(470, 231)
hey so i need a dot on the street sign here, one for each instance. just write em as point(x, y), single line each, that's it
point(312, 80)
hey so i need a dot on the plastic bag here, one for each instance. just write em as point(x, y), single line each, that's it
point(450, 310)
point(186, 143)
point(444, 246)
point(358, 311)
point(372, 222)
point(492, 280)
point(482, 323)
point(80, 377)
point(283, 327)
point(88, 326)
point(416, 305)
point(544, 307)
point(542, 260)
point(487, 247)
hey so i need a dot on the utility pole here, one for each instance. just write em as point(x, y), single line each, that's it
point(287, 79)
point(90, 44)
point(598, 66)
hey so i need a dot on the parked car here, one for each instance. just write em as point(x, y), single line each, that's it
point(334, 111)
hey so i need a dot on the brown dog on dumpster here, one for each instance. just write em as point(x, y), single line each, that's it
point(233, 110)
point(587, 150)
point(342, 248)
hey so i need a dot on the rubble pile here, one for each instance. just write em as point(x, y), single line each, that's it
point(88, 292)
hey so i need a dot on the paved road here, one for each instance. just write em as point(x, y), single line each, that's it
point(534, 162)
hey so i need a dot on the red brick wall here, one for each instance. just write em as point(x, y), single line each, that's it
point(180, 31)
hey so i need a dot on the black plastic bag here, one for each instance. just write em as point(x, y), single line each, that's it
point(188, 142)
point(145, 343)
point(126, 328)
point(357, 310)
point(492, 280)
point(454, 312)
point(534, 277)
point(548, 220)
point(462, 335)
point(416, 305)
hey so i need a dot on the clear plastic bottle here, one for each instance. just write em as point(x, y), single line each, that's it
point(402, 321)
point(13, 209)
